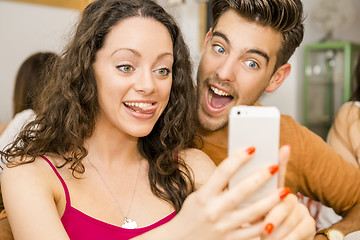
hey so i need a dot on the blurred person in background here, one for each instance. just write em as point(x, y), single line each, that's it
point(28, 83)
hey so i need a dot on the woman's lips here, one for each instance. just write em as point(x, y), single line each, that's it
point(143, 110)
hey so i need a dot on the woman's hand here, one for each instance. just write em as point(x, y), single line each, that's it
point(213, 213)
point(289, 219)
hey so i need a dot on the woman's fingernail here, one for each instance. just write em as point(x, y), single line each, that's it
point(273, 169)
point(250, 150)
point(269, 228)
point(284, 193)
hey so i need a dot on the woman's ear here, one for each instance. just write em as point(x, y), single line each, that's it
point(278, 77)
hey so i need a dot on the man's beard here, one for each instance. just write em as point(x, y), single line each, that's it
point(206, 125)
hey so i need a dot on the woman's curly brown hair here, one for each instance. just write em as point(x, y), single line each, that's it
point(68, 106)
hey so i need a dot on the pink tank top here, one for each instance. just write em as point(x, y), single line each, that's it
point(80, 226)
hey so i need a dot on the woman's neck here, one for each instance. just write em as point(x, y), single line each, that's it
point(112, 147)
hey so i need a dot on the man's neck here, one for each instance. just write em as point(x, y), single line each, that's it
point(219, 137)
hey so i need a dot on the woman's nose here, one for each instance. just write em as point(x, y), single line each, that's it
point(145, 83)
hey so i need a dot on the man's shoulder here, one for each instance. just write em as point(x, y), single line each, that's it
point(289, 127)
point(287, 122)
point(287, 118)
point(293, 131)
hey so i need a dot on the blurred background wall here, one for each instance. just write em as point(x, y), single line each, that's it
point(27, 28)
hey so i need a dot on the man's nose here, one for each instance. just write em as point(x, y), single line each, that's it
point(226, 70)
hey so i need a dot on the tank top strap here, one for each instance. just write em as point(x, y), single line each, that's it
point(67, 195)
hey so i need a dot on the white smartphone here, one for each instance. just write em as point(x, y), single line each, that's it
point(257, 126)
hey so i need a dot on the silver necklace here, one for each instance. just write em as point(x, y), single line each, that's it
point(128, 223)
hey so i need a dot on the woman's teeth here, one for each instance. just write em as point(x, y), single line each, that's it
point(139, 105)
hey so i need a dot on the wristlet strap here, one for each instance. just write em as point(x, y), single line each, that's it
point(327, 231)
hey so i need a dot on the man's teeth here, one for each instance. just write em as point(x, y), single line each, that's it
point(219, 92)
point(137, 104)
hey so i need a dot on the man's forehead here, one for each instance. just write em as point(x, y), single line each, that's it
point(248, 34)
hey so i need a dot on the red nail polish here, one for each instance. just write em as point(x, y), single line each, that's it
point(284, 193)
point(273, 169)
point(269, 228)
point(250, 150)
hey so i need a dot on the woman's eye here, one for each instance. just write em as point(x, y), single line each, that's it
point(252, 64)
point(219, 49)
point(125, 68)
point(163, 71)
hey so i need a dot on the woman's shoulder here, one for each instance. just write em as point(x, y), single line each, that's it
point(350, 106)
point(23, 170)
point(199, 163)
point(349, 110)
point(33, 173)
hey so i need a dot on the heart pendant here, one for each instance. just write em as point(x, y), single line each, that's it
point(129, 224)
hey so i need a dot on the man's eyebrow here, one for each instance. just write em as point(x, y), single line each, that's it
point(256, 51)
point(221, 35)
point(261, 53)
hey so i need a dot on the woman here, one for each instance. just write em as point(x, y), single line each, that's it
point(109, 157)
point(343, 136)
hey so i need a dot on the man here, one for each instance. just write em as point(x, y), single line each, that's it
point(246, 53)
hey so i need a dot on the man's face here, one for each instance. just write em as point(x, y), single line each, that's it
point(237, 66)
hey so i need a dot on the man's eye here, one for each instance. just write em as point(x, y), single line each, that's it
point(125, 68)
point(163, 71)
point(219, 49)
point(252, 64)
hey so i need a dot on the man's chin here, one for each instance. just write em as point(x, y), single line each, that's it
point(214, 128)
point(211, 124)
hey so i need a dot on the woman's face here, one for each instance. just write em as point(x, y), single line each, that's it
point(133, 71)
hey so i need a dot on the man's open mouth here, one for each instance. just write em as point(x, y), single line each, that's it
point(218, 98)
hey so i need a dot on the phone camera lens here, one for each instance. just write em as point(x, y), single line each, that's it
point(238, 112)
